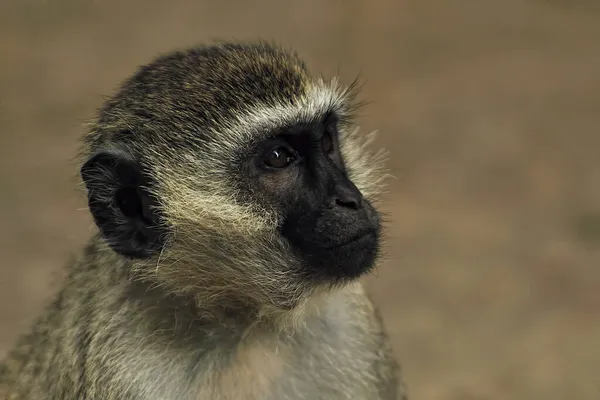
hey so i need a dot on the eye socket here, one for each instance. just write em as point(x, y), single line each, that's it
point(327, 143)
point(279, 158)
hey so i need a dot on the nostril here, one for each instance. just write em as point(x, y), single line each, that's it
point(349, 202)
point(347, 195)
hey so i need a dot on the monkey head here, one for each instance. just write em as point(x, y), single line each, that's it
point(230, 173)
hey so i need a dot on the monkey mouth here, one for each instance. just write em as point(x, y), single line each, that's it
point(346, 259)
point(357, 239)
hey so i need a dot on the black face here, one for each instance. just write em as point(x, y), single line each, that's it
point(328, 222)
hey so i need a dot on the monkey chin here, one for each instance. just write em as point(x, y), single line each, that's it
point(344, 262)
point(331, 271)
point(326, 271)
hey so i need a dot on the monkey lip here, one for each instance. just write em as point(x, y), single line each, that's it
point(355, 239)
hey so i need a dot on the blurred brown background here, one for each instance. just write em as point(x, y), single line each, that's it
point(491, 111)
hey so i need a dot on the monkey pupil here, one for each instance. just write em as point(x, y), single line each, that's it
point(279, 158)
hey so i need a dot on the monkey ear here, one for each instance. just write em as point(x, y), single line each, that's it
point(121, 205)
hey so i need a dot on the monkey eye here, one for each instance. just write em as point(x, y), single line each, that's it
point(279, 158)
point(327, 143)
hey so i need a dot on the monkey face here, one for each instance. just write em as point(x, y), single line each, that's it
point(227, 171)
point(330, 226)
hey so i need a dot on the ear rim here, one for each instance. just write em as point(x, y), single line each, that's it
point(104, 173)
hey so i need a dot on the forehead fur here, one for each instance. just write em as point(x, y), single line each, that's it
point(196, 94)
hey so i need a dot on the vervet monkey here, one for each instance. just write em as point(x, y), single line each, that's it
point(233, 202)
